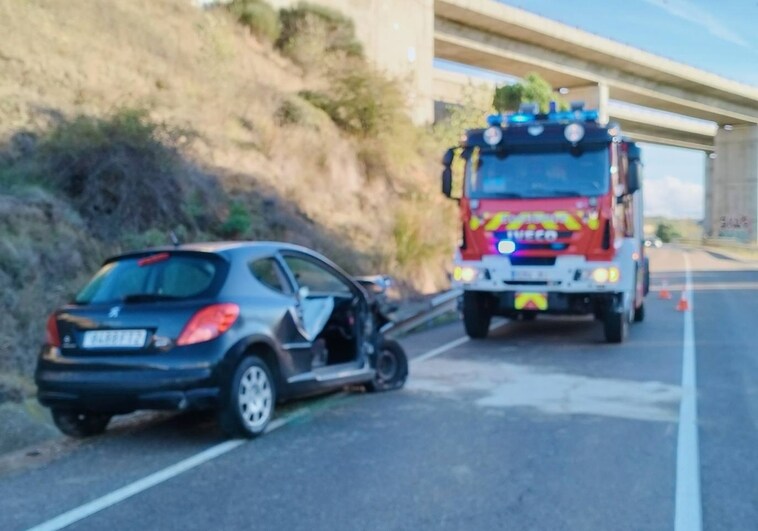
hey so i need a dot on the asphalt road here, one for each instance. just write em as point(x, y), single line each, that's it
point(541, 426)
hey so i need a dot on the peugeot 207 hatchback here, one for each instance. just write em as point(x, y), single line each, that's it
point(232, 326)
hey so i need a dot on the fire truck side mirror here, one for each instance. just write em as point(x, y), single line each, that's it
point(447, 174)
point(633, 176)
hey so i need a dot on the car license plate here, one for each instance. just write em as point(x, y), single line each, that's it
point(114, 339)
point(527, 274)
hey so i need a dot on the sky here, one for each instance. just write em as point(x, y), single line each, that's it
point(719, 36)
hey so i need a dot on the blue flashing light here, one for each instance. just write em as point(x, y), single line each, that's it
point(520, 118)
point(495, 120)
point(506, 247)
point(523, 116)
point(558, 246)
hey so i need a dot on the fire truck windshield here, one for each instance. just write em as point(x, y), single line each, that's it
point(540, 174)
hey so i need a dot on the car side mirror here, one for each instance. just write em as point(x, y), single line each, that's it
point(303, 293)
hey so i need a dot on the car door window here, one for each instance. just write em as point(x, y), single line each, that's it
point(316, 278)
point(270, 274)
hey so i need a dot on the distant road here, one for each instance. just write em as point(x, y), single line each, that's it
point(542, 426)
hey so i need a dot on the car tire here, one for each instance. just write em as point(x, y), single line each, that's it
point(80, 424)
point(528, 316)
point(477, 314)
point(639, 313)
point(248, 399)
point(615, 326)
point(391, 370)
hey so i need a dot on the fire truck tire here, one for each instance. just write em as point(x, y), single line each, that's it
point(615, 324)
point(639, 313)
point(528, 316)
point(646, 278)
point(477, 314)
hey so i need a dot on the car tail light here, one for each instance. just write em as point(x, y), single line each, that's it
point(209, 323)
point(52, 337)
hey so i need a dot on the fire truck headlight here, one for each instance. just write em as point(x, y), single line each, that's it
point(574, 133)
point(467, 274)
point(600, 275)
point(605, 275)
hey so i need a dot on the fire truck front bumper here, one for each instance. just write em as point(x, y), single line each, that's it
point(565, 274)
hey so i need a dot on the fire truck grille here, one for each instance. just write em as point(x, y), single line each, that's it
point(532, 260)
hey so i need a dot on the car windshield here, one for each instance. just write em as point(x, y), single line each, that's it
point(151, 278)
point(540, 174)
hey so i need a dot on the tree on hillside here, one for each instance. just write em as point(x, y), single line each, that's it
point(532, 89)
point(666, 232)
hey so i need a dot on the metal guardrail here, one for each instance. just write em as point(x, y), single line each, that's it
point(439, 305)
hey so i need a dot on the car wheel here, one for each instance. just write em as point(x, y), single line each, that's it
point(80, 424)
point(528, 316)
point(391, 370)
point(248, 399)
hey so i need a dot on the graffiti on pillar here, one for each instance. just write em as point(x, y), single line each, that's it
point(740, 227)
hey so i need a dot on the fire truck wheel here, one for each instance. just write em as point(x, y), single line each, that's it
point(528, 316)
point(639, 313)
point(477, 314)
point(616, 325)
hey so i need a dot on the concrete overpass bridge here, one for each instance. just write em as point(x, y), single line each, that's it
point(639, 124)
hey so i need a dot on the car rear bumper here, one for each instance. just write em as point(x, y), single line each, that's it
point(120, 391)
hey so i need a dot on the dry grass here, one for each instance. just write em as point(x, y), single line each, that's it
point(369, 200)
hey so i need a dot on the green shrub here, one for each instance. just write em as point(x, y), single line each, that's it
point(533, 89)
point(122, 173)
point(238, 222)
point(262, 19)
point(311, 33)
point(361, 101)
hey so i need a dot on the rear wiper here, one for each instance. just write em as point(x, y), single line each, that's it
point(148, 297)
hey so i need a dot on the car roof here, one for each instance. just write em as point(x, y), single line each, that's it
point(228, 248)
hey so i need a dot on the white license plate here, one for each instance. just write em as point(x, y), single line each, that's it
point(526, 274)
point(114, 339)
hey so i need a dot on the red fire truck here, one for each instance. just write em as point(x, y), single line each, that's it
point(551, 213)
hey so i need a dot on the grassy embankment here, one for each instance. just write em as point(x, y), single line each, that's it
point(121, 121)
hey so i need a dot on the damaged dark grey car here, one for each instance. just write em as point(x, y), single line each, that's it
point(232, 326)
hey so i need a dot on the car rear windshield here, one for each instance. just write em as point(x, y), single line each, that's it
point(154, 277)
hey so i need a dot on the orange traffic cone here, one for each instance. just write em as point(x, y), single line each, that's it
point(682, 305)
point(664, 293)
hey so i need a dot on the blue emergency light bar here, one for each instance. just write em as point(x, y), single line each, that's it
point(529, 113)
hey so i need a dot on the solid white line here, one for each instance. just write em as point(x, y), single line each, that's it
point(688, 514)
point(441, 350)
point(119, 495)
point(452, 344)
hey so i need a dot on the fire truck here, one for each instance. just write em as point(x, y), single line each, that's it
point(551, 213)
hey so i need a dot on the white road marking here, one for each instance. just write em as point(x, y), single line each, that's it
point(451, 345)
point(119, 495)
point(88, 509)
point(688, 514)
point(441, 350)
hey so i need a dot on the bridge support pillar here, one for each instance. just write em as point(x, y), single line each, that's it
point(593, 96)
point(733, 208)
